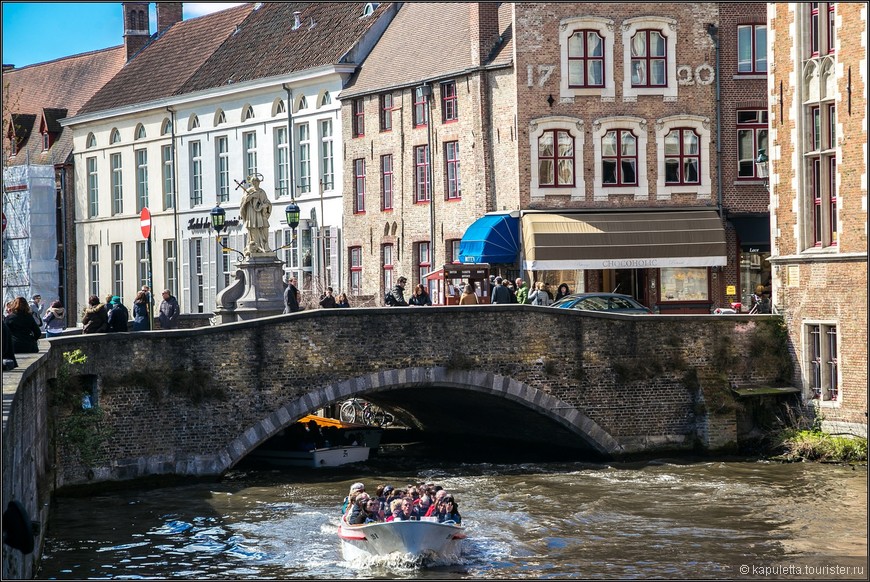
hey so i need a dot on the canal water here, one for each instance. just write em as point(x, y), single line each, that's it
point(672, 519)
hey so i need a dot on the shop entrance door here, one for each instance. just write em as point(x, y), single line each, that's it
point(628, 282)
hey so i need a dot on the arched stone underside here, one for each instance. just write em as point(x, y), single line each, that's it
point(488, 383)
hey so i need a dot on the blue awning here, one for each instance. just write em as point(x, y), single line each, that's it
point(493, 238)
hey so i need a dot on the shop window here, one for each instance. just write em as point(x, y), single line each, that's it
point(685, 284)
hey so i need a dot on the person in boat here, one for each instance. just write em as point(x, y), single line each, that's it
point(396, 513)
point(433, 507)
point(355, 488)
point(448, 510)
point(365, 510)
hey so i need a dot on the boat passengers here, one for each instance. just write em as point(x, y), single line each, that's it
point(365, 510)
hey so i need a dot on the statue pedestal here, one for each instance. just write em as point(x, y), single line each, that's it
point(258, 290)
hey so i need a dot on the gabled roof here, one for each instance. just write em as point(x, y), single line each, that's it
point(45, 89)
point(239, 44)
point(50, 119)
point(424, 41)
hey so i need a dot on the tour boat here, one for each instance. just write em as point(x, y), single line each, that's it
point(364, 434)
point(323, 457)
point(425, 539)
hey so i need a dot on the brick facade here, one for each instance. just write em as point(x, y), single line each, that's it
point(825, 284)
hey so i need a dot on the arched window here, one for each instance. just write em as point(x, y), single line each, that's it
point(115, 136)
point(247, 113)
point(620, 163)
point(91, 141)
point(556, 166)
point(278, 107)
point(166, 127)
point(683, 156)
point(301, 103)
point(326, 99)
point(140, 132)
point(219, 117)
point(192, 122)
point(369, 8)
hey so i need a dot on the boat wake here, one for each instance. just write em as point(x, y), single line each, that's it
point(399, 562)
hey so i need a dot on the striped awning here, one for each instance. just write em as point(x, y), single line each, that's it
point(623, 240)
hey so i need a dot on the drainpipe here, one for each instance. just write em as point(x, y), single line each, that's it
point(291, 185)
point(713, 31)
point(178, 253)
point(431, 159)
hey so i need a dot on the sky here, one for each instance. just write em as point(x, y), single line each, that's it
point(36, 32)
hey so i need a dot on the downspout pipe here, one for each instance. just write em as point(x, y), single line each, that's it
point(175, 198)
point(713, 31)
point(291, 160)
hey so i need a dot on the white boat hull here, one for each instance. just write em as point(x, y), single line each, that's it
point(417, 539)
point(325, 457)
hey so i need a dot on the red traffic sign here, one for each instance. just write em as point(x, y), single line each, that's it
point(145, 222)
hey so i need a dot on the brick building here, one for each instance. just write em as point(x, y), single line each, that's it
point(39, 250)
point(818, 180)
point(440, 79)
point(629, 118)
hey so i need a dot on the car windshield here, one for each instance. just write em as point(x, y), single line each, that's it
point(621, 303)
point(593, 303)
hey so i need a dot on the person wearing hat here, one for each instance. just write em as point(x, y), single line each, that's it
point(118, 315)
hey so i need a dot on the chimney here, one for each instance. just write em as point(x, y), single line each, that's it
point(484, 29)
point(137, 27)
point(168, 13)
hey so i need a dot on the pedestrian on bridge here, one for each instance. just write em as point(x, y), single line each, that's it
point(500, 293)
point(118, 315)
point(291, 297)
point(22, 324)
point(169, 311)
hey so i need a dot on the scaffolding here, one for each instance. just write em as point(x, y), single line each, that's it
point(29, 235)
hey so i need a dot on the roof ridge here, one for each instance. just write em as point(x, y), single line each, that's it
point(58, 59)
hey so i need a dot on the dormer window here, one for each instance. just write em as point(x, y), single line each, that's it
point(369, 8)
point(46, 141)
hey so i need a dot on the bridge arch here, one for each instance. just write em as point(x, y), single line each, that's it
point(377, 387)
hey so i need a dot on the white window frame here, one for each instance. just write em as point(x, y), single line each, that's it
point(94, 269)
point(604, 27)
point(304, 179)
point(168, 181)
point(249, 143)
point(118, 269)
point(170, 266)
point(824, 396)
point(222, 168)
point(142, 262)
point(537, 127)
point(141, 178)
point(117, 183)
point(195, 151)
point(668, 29)
point(327, 165)
point(701, 125)
point(600, 127)
point(282, 162)
point(93, 187)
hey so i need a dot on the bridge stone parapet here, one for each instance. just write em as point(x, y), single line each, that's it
point(196, 401)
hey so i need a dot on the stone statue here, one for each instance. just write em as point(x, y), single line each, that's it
point(255, 210)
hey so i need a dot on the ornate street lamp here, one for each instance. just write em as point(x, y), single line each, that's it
point(761, 167)
point(218, 222)
point(292, 213)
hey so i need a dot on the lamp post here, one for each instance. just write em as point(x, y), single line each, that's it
point(761, 168)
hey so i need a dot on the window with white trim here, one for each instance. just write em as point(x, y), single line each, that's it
point(118, 269)
point(141, 179)
point(94, 269)
point(453, 189)
point(93, 188)
point(822, 365)
point(115, 136)
point(249, 139)
point(649, 57)
point(586, 57)
point(282, 162)
point(170, 265)
point(222, 167)
point(140, 132)
point(683, 156)
point(304, 182)
point(142, 263)
point(117, 185)
point(327, 170)
point(359, 186)
point(751, 139)
point(168, 178)
point(387, 266)
point(752, 49)
point(195, 173)
point(556, 146)
point(619, 145)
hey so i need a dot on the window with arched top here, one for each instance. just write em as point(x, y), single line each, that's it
point(619, 146)
point(247, 113)
point(326, 99)
point(166, 127)
point(219, 117)
point(192, 122)
point(278, 107)
point(683, 156)
point(115, 136)
point(556, 168)
point(140, 132)
point(369, 8)
point(301, 103)
point(91, 141)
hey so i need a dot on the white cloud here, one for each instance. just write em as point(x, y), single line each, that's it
point(194, 9)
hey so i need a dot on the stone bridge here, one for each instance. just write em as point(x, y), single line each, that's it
point(194, 402)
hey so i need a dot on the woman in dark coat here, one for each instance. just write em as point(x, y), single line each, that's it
point(562, 291)
point(420, 297)
point(25, 331)
point(96, 318)
point(140, 312)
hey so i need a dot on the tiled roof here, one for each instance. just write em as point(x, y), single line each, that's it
point(51, 116)
point(425, 41)
point(236, 45)
point(62, 84)
point(167, 63)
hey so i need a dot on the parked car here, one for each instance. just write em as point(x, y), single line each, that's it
point(608, 302)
